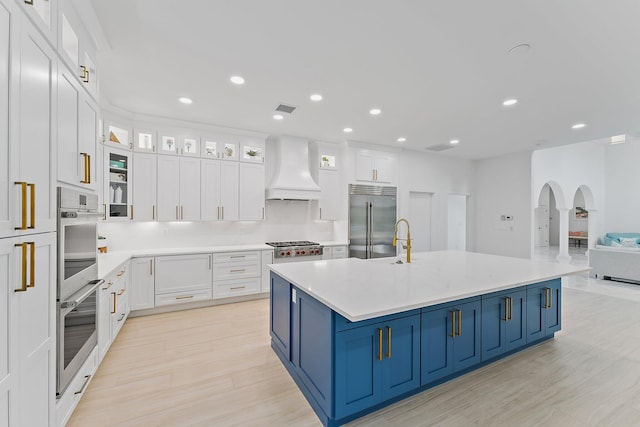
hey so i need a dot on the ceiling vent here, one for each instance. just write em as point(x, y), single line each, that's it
point(440, 147)
point(284, 108)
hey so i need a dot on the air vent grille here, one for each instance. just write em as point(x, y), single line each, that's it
point(284, 108)
point(440, 147)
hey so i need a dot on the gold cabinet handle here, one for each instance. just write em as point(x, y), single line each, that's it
point(29, 2)
point(222, 212)
point(113, 310)
point(84, 384)
point(379, 343)
point(177, 213)
point(32, 267)
point(23, 286)
point(122, 291)
point(546, 298)
point(550, 291)
point(151, 267)
point(23, 199)
point(87, 173)
point(453, 324)
point(85, 74)
point(238, 270)
point(104, 205)
point(131, 206)
point(107, 287)
point(153, 212)
point(121, 273)
point(506, 309)
point(185, 297)
point(510, 300)
point(182, 212)
point(388, 342)
point(218, 212)
point(32, 208)
point(121, 317)
point(459, 325)
point(237, 287)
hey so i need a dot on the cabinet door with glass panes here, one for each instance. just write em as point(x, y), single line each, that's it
point(144, 140)
point(252, 149)
point(189, 145)
point(117, 134)
point(117, 196)
point(224, 147)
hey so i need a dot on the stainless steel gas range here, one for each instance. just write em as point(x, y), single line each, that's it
point(301, 250)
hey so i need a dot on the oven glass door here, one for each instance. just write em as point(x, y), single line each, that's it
point(79, 247)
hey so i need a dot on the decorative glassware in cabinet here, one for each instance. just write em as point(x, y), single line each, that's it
point(145, 142)
point(210, 149)
point(327, 161)
point(229, 151)
point(118, 179)
point(253, 154)
point(118, 135)
point(169, 144)
point(189, 146)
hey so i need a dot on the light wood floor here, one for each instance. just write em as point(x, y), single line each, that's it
point(214, 367)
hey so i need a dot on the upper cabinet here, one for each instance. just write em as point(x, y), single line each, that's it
point(145, 140)
point(224, 147)
point(170, 142)
point(117, 134)
point(252, 149)
point(374, 166)
point(117, 184)
point(328, 162)
point(76, 48)
point(43, 14)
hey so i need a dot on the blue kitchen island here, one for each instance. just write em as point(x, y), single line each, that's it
point(357, 335)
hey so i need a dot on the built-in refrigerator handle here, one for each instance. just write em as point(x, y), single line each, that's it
point(366, 236)
point(370, 229)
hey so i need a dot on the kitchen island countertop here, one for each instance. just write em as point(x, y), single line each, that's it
point(364, 289)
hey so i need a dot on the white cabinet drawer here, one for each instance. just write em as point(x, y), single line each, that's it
point(181, 273)
point(339, 252)
point(232, 288)
point(68, 401)
point(239, 270)
point(236, 257)
point(182, 297)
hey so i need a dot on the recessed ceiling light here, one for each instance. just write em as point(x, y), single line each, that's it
point(375, 111)
point(578, 126)
point(347, 130)
point(185, 100)
point(237, 80)
point(618, 139)
point(510, 102)
point(402, 139)
point(278, 116)
point(454, 141)
point(316, 97)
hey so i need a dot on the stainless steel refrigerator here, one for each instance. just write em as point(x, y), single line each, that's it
point(372, 219)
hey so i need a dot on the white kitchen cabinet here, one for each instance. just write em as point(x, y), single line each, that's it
point(251, 192)
point(27, 268)
point(221, 146)
point(334, 252)
point(142, 289)
point(219, 190)
point(252, 149)
point(178, 189)
point(77, 132)
point(43, 13)
point(117, 184)
point(66, 404)
point(267, 258)
point(237, 273)
point(113, 303)
point(145, 179)
point(374, 166)
point(117, 133)
point(330, 194)
point(168, 143)
point(144, 140)
point(189, 145)
point(105, 304)
point(183, 278)
point(9, 17)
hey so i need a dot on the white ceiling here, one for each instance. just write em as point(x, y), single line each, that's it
point(438, 69)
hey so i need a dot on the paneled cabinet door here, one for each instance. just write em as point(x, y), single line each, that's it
point(43, 13)
point(543, 310)
point(145, 179)
point(8, 321)
point(280, 327)
point(142, 283)
point(168, 188)
point(330, 195)
point(35, 330)
point(210, 190)
point(374, 166)
point(105, 310)
point(88, 134)
point(33, 142)
point(229, 190)
point(450, 339)
point(117, 184)
point(190, 189)
point(251, 206)
point(8, 20)
point(503, 323)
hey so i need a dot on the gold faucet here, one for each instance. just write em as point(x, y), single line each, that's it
point(395, 237)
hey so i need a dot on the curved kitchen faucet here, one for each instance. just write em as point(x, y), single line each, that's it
point(408, 239)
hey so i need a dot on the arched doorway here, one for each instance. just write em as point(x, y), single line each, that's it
point(550, 222)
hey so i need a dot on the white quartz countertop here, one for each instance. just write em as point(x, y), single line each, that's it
point(363, 289)
point(111, 260)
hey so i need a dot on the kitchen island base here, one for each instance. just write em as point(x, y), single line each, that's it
point(348, 369)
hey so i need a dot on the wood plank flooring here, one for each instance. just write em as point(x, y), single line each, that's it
point(214, 367)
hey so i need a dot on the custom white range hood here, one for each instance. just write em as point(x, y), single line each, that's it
point(288, 164)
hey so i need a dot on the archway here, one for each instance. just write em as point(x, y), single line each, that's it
point(551, 215)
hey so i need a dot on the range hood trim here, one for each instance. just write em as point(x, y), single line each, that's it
point(292, 179)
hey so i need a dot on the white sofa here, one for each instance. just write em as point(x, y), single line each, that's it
point(615, 263)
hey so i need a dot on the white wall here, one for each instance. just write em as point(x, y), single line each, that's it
point(503, 187)
point(285, 220)
point(622, 188)
point(554, 220)
point(571, 166)
point(441, 176)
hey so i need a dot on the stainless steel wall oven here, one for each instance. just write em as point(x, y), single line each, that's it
point(77, 282)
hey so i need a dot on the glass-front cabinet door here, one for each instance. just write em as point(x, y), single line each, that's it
point(221, 147)
point(168, 143)
point(144, 141)
point(209, 148)
point(117, 135)
point(189, 146)
point(252, 149)
point(117, 192)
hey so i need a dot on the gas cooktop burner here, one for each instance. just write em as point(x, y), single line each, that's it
point(293, 243)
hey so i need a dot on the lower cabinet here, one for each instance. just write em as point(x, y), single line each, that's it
point(183, 278)
point(450, 338)
point(543, 309)
point(504, 317)
point(375, 363)
point(69, 400)
point(280, 325)
point(142, 292)
point(114, 307)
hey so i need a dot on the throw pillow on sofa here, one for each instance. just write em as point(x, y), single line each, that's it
point(629, 242)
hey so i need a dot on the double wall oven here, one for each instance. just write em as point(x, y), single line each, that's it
point(77, 282)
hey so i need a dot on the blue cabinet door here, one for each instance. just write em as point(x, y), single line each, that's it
point(543, 309)
point(516, 326)
point(494, 323)
point(280, 326)
point(358, 367)
point(436, 344)
point(466, 344)
point(401, 364)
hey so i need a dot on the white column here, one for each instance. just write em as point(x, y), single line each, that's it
point(563, 238)
point(591, 229)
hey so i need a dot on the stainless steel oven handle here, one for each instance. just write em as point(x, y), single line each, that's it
point(79, 214)
point(84, 293)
